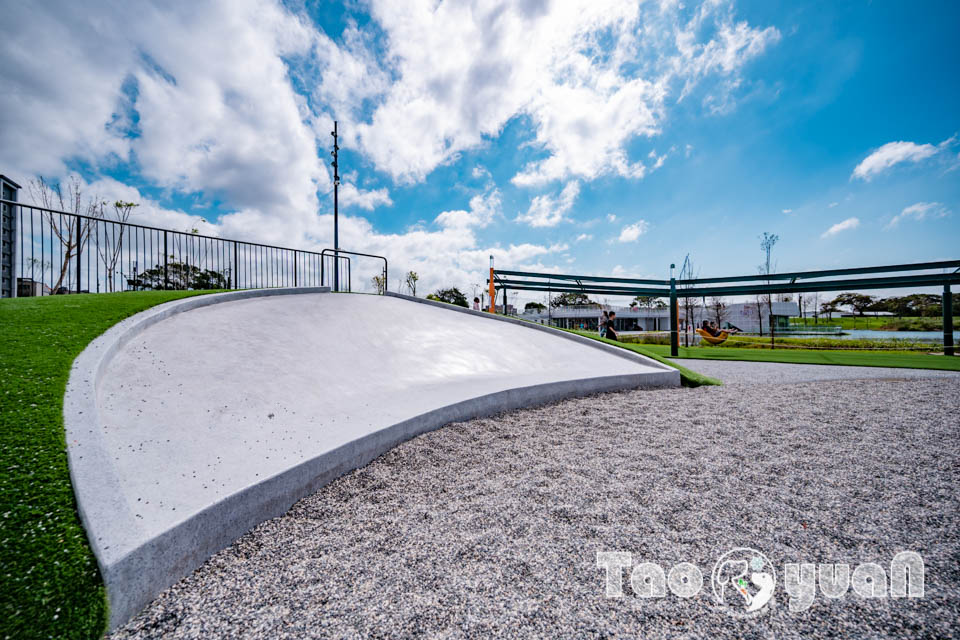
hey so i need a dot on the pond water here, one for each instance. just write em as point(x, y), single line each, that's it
point(921, 336)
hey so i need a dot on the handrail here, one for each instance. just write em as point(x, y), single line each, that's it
point(337, 252)
point(824, 273)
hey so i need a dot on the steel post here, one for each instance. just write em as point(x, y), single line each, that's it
point(674, 317)
point(948, 349)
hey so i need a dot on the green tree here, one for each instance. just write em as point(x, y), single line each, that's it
point(924, 304)
point(379, 283)
point(649, 302)
point(534, 306)
point(828, 309)
point(859, 302)
point(451, 296)
point(571, 299)
point(179, 276)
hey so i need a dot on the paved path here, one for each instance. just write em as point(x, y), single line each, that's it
point(734, 372)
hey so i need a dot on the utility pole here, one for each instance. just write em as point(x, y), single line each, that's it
point(336, 210)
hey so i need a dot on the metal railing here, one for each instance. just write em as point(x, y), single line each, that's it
point(61, 252)
point(943, 273)
point(333, 278)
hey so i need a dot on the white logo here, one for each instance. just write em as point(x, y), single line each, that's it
point(743, 581)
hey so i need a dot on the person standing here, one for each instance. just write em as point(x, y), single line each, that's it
point(611, 333)
point(602, 323)
point(476, 304)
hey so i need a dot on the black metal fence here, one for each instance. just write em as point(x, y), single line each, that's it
point(59, 252)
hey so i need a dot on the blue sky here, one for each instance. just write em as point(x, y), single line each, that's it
point(602, 138)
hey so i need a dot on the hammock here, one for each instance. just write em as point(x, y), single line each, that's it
point(713, 339)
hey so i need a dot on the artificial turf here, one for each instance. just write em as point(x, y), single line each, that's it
point(688, 378)
point(50, 586)
point(807, 356)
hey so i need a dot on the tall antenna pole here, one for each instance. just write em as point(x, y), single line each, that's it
point(336, 210)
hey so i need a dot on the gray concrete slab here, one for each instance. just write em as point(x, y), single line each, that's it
point(206, 423)
point(738, 372)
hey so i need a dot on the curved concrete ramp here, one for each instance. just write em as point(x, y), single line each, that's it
point(187, 429)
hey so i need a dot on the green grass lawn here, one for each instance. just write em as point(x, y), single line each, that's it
point(807, 356)
point(796, 356)
point(688, 378)
point(50, 584)
point(879, 323)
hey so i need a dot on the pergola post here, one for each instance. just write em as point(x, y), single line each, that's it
point(674, 319)
point(947, 321)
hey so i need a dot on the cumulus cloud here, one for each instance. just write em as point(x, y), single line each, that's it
point(919, 211)
point(894, 153)
point(632, 232)
point(350, 195)
point(462, 70)
point(548, 211)
point(231, 102)
point(583, 237)
point(483, 208)
point(845, 225)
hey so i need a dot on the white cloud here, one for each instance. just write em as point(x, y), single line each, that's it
point(611, 217)
point(480, 171)
point(483, 208)
point(197, 95)
point(788, 210)
point(204, 97)
point(919, 211)
point(350, 195)
point(894, 153)
point(462, 70)
point(583, 237)
point(845, 225)
point(832, 205)
point(632, 232)
point(549, 211)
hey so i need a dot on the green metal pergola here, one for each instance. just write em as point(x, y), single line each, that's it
point(924, 274)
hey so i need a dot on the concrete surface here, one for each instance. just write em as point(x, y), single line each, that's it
point(187, 429)
point(733, 372)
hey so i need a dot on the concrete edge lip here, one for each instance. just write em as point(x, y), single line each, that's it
point(136, 567)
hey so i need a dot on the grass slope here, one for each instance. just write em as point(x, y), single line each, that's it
point(804, 356)
point(688, 378)
point(50, 584)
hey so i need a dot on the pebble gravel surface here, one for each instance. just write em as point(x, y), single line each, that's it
point(491, 528)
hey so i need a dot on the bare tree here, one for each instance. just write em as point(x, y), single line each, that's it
point(719, 309)
point(767, 240)
point(411, 280)
point(72, 232)
point(38, 265)
point(110, 253)
point(379, 283)
point(690, 305)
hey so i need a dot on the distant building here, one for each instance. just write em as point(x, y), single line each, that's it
point(28, 288)
point(740, 315)
point(8, 234)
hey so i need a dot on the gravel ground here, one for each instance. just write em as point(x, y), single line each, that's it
point(736, 372)
point(491, 527)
